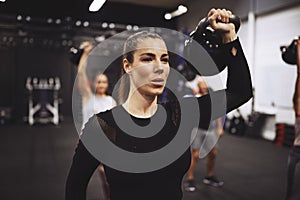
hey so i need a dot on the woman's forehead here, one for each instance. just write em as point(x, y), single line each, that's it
point(151, 44)
point(101, 77)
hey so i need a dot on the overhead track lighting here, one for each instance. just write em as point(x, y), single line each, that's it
point(180, 10)
point(96, 5)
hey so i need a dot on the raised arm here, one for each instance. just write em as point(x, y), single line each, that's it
point(296, 97)
point(83, 83)
point(238, 87)
point(82, 168)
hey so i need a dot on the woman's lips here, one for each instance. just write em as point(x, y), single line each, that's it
point(158, 82)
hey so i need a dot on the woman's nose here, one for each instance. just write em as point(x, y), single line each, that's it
point(159, 69)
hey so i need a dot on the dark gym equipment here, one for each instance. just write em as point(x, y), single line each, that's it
point(75, 55)
point(43, 100)
point(5, 115)
point(211, 41)
point(289, 53)
point(285, 134)
point(236, 125)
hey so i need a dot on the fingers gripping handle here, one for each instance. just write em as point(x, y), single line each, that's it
point(204, 23)
point(210, 40)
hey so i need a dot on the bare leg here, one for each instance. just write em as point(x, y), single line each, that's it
point(191, 171)
point(211, 162)
point(210, 179)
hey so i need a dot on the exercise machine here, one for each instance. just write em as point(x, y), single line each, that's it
point(43, 101)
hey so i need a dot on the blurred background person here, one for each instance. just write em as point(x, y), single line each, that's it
point(294, 155)
point(94, 98)
point(206, 140)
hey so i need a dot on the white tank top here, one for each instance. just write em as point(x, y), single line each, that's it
point(96, 104)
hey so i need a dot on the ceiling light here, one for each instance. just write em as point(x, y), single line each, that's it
point(68, 19)
point(96, 5)
point(112, 25)
point(135, 28)
point(180, 10)
point(58, 21)
point(2, 0)
point(78, 23)
point(64, 42)
point(86, 24)
point(100, 38)
point(168, 16)
point(104, 25)
point(50, 20)
point(128, 27)
point(19, 17)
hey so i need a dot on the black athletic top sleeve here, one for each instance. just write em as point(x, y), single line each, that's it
point(82, 168)
point(164, 183)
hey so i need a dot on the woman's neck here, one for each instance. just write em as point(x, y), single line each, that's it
point(139, 105)
point(101, 95)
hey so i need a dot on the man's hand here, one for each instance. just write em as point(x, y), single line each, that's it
point(219, 21)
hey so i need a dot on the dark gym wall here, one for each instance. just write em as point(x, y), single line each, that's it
point(270, 5)
point(20, 62)
point(7, 78)
point(198, 9)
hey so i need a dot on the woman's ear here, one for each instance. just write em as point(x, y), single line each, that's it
point(126, 66)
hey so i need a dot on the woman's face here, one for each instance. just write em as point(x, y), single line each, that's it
point(150, 68)
point(101, 84)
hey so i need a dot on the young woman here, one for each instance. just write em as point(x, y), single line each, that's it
point(94, 99)
point(146, 65)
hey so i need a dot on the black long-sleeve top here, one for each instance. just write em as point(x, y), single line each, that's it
point(159, 182)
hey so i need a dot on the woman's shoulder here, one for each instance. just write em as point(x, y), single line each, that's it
point(111, 99)
point(108, 114)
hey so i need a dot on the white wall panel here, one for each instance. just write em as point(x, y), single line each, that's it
point(274, 79)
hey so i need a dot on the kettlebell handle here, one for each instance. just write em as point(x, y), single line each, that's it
point(204, 23)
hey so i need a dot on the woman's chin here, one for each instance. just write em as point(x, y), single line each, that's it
point(157, 91)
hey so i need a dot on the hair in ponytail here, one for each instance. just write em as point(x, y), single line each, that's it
point(130, 46)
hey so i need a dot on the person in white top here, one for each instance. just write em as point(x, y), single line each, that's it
point(292, 191)
point(94, 98)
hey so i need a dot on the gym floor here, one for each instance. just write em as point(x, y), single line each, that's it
point(35, 162)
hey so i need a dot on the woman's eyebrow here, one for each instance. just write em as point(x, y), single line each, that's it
point(153, 55)
point(148, 54)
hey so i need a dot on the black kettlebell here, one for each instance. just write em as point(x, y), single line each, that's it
point(211, 41)
point(289, 53)
point(75, 55)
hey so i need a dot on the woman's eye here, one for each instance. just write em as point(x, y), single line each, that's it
point(146, 59)
point(166, 60)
